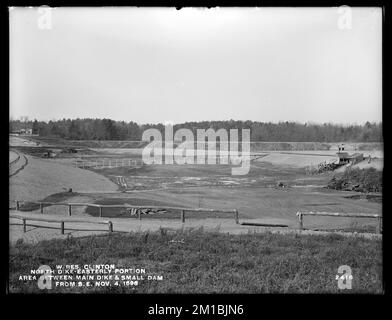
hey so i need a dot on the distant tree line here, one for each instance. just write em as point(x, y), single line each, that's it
point(107, 129)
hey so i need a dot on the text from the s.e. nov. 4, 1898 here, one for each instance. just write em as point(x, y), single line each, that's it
point(89, 275)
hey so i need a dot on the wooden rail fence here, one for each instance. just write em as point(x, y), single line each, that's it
point(131, 207)
point(21, 167)
point(62, 222)
point(339, 214)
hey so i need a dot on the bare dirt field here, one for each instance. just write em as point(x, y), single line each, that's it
point(276, 187)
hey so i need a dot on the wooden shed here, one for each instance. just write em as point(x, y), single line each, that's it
point(345, 158)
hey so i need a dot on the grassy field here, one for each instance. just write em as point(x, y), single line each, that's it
point(211, 262)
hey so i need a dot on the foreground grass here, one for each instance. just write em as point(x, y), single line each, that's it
point(211, 262)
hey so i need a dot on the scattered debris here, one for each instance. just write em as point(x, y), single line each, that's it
point(280, 184)
point(135, 212)
point(69, 150)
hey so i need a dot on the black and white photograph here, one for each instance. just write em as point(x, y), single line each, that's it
point(195, 150)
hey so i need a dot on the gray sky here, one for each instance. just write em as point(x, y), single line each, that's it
point(159, 64)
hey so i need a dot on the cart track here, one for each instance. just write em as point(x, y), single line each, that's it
point(18, 164)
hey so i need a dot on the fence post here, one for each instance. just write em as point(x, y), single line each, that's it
point(17, 205)
point(183, 216)
point(100, 212)
point(300, 217)
point(110, 226)
point(62, 227)
point(379, 224)
point(24, 225)
point(41, 207)
point(236, 217)
point(139, 214)
point(69, 210)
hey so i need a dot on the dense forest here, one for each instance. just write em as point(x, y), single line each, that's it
point(106, 129)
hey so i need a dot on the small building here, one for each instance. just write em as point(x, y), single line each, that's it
point(345, 158)
point(22, 132)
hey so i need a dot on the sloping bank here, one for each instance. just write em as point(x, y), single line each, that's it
point(43, 177)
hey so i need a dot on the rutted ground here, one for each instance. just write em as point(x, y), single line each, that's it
point(18, 163)
point(12, 156)
point(183, 176)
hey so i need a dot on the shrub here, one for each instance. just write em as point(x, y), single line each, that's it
point(364, 180)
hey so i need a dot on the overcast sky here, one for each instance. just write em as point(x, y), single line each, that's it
point(160, 64)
